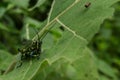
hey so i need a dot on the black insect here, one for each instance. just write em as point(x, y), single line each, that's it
point(62, 28)
point(30, 51)
point(87, 5)
point(33, 50)
point(2, 71)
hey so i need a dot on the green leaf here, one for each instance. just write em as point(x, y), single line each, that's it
point(68, 58)
point(64, 69)
point(20, 3)
point(5, 59)
point(106, 69)
point(3, 27)
point(2, 11)
point(84, 21)
point(38, 4)
point(33, 23)
point(104, 78)
point(31, 28)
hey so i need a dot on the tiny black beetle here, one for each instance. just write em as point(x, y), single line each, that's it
point(87, 5)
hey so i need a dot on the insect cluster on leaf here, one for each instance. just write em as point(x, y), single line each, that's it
point(30, 51)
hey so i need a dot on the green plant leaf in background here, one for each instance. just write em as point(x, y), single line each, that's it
point(2, 11)
point(5, 59)
point(68, 58)
point(106, 70)
point(3, 27)
point(20, 3)
point(38, 4)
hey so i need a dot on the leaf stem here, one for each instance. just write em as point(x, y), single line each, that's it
point(45, 29)
point(27, 31)
point(47, 26)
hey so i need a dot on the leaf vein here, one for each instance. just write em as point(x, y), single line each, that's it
point(74, 33)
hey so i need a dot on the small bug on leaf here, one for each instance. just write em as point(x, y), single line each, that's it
point(87, 5)
point(62, 28)
point(30, 51)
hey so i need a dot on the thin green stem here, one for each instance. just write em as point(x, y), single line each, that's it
point(45, 30)
point(47, 27)
point(27, 31)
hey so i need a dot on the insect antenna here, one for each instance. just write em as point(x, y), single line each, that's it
point(36, 31)
point(47, 31)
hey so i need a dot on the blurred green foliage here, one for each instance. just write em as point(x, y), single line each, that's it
point(106, 43)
